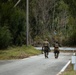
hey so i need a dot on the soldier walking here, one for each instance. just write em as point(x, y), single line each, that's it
point(46, 48)
point(56, 50)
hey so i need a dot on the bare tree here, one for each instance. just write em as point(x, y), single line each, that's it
point(42, 10)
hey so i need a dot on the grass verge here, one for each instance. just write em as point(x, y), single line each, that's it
point(18, 52)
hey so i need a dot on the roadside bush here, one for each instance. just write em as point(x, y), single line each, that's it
point(5, 37)
point(71, 41)
point(18, 27)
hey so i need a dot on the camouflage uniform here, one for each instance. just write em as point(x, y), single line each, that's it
point(46, 48)
point(56, 50)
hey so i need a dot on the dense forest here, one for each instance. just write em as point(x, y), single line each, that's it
point(52, 19)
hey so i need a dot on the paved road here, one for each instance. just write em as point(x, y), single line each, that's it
point(61, 48)
point(36, 65)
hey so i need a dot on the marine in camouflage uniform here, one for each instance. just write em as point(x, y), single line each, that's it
point(56, 50)
point(46, 48)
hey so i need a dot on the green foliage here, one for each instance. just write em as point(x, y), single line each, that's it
point(5, 37)
point(14, 19)
point(72, 7)
point(62, 6)
point(71, 40)
point(45, 16)
point(17, 27)
point(5, 12)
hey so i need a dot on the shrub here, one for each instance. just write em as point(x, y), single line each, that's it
point(71, 41)
point(5, 37)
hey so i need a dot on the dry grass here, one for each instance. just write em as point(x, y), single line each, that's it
point(69, 70)
point(18, 52)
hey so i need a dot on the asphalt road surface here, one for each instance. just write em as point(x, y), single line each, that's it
point(35, 65)
point(60, 48)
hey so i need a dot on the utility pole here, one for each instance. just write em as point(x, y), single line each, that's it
point(27, 22)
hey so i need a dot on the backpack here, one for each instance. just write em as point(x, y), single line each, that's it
point(56, 45)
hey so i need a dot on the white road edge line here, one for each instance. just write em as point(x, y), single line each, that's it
point(62, 70)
